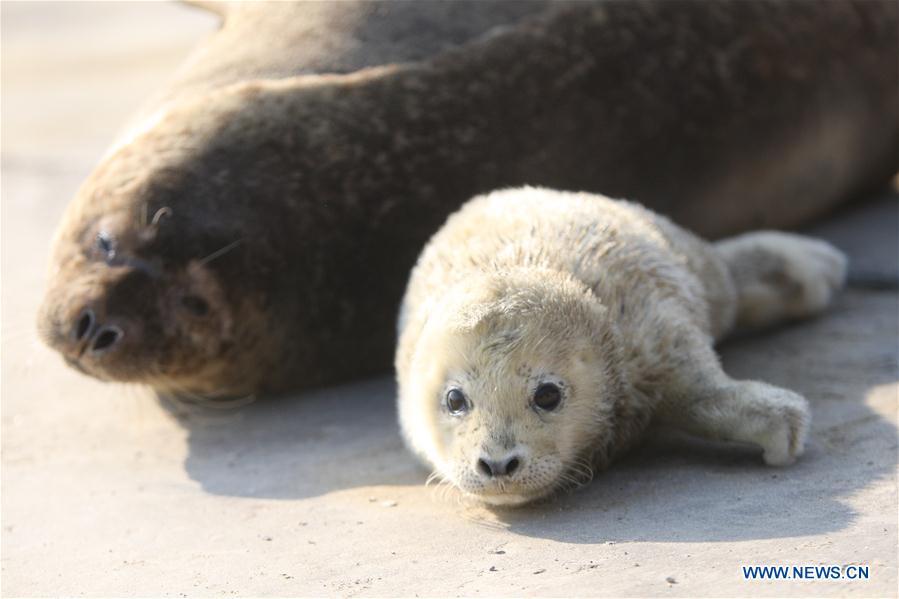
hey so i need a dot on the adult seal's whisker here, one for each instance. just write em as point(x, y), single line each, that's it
point(220, 252)
point(162, 212)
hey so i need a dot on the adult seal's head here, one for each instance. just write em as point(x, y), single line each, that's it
point(153, 280)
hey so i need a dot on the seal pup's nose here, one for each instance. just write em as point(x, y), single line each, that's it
point(504, 467)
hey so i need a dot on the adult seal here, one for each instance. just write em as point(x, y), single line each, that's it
point(254, 232)
point(542, 331)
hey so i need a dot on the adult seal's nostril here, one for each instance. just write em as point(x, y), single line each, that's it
point(106, 339)
point(84, 325)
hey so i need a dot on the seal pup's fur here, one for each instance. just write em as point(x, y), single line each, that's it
point(542, 331)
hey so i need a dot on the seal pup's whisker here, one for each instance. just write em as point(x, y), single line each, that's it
point(443, 491)
point(582, 470)
point(434, 476)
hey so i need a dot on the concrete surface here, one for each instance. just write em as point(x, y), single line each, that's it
point(108, 492)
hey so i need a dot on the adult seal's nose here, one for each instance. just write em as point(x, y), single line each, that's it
point(72, 335)
point(106, 339)
point(88, 334)
point(495, 468)
point(84, 326)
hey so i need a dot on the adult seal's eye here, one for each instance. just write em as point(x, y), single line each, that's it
point(456, 403)
point(547, 397)
point(106, 245)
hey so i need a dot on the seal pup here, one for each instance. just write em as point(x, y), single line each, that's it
point(542, 331)
point(256, 234)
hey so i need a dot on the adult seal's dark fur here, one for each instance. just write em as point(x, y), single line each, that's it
point(256, 233)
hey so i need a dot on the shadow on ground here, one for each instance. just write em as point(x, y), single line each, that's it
point(673, 489)
point(295, 447)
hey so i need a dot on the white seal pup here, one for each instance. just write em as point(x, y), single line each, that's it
point(541, 331)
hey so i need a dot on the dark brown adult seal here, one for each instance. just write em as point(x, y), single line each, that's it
point(255, 234)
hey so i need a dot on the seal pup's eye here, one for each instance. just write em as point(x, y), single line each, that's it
point(547, 397)
point(456, 402)
point(195, 305)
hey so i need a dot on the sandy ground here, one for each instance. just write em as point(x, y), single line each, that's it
point(107, 492)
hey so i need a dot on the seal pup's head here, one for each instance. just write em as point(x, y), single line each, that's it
point(510, 385)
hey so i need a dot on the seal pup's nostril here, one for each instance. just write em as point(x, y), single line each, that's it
point(493, 468)
point(105, 338)
point(84, 325)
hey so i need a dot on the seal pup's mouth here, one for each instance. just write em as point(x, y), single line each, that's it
point(539, 478)
point(518, 495)
point(508, 491)
point(507, 499)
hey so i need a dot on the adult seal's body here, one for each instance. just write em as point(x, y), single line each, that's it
point(254, 232)
point(542, 331)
